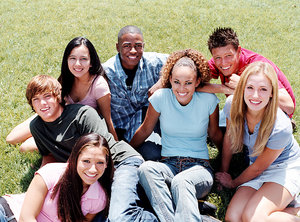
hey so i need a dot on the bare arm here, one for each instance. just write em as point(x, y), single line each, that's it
point(214, 132)
point(20, 133)
point(285, 101)
point(34, 199)
point(263, 161)
point(28, 145)
point(215, 88)
point(233, 81)
point(146, 128)
point(104, 110)
point(156, 86)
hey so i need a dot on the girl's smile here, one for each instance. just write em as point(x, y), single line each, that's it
point(184, 82)
point(258, 92)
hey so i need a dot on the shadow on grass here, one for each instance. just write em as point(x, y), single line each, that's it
point(221, 198)
point(25, 181)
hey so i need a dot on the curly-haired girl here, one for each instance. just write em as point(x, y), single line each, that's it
point(185, 118)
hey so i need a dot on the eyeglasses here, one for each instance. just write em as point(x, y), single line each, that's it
point(137, 46)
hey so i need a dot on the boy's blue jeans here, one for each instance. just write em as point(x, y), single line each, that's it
point(124, 196)
point(174, 186)
point(2, 214)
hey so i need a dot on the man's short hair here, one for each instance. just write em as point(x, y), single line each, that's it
point(42, 84)
point(129, 29)
point(222, 37)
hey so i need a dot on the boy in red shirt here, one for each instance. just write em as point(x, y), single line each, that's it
point(228, 62)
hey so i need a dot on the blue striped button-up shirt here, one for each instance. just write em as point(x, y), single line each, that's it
point(127, 104)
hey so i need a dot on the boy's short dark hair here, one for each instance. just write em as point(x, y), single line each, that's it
point(129, 29)
point(222, 37)
point(42, 84)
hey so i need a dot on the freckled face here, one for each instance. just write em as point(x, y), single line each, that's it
point(258, 91)
point(184, 82)
point(226, 59)
point(91, 165)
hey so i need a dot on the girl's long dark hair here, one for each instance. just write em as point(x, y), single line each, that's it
point(66, 78)
point(70, 187)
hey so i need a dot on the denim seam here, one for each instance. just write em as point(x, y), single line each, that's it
point(160, 203)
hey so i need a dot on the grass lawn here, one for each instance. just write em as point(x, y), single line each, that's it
point(34, 35)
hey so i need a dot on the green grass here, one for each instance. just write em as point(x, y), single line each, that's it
point(35, 33)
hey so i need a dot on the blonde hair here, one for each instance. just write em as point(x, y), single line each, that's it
point(239, 109)
point(200, 64)
point(41, 84)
